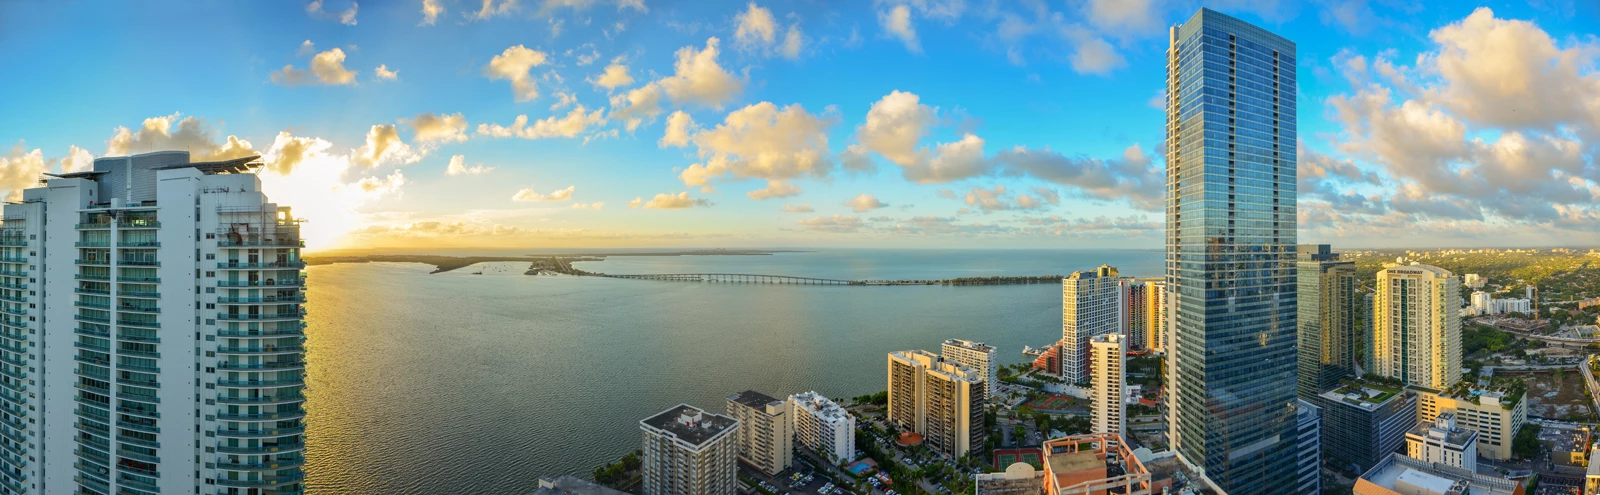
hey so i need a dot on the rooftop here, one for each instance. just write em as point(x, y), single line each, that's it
point(690, 424)
point(976, 346)
point(234, 166)
point(1445, 429)
point(568, 485)
point(820, 406)
point(1364, 394)
point(1432, 478)
point(753, 399)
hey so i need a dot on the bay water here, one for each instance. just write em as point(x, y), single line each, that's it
point(456, 382)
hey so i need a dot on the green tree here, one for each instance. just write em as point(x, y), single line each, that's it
point(1526, 443)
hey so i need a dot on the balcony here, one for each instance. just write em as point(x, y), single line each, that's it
point(263, 482)
point(95, 319)
point(273, 265)
point(4, 285)
point(95, 305)
point(151, 339)
point(93, 262)
point(282, 365)
point(284, 282)
point(13, 273)
point(86, 290)
point(262, 317)
point(138, 224)
point(138, 309)
point(262, 466)
point(282, 382)
point(8, 259)
point(261, 243)
point(13, 240)
point(139, 294)
point(294, 331)
point(17, 311)
point(139, 263)
point(264, 449)
point(138, 427)
point(138, 456)
point(138, 244)
point(297, 298)
point(282, 349)
point(281, 399)
point(139, 353)
point(270, 416)
point(87, 226)
point(17, 299)
point(140, 412)
point(140, 280)
point(280, 432)
point(93, 276)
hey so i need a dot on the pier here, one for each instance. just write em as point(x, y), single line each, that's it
point(750, 278)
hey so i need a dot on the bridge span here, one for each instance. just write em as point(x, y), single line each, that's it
point(749, 278)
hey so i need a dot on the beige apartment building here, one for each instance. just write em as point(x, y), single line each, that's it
point(1107, 362)
point(940, 400)
point(766, 433)
point(1495, 416)
point(688, 451)
point(1416, 332)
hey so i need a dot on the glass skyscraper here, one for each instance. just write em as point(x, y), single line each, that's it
point(1330, 319)
point(1231, 251)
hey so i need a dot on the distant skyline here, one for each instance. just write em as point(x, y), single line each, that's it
point(892, 123)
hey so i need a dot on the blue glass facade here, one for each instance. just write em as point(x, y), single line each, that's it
point(1230, 245)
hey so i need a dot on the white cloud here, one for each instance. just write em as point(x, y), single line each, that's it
point(679, 126)
point(864, 202)
point(615, 76)
point(430, 12)
point(897, 23)
point(527, 194)
point(793, 43)
point(1125, 15)
point(895, 125)
point(490, 9)
point(515, 64)
point(77, 160)
point(774, 189)
point(637, 105)
point(384, 147)
point(637, 200)
point(326, 68)
point(20, 170)
point(570, 125)
point(1093, 54)
point(762, 142)
point(458, 166)
point(306, 48)
point(673, 202)
point(434, 129)
point(346, 17)
point(699, 80)
point(590, 206)
point(170, 132)
point(836, 223)
point(756, 30)
point(384, 73)
point(563, 100)
point(804, 208)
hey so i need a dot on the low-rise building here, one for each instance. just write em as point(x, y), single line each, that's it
point(766, 432)
point(1018, 479)
point(569, 485)
point(688, 451)
point(824, 427)
point(1572, 447)
point(1443, 442)
point(1363, 421)
point(1495, 415)
point(1401, 475)
point(1093, 463)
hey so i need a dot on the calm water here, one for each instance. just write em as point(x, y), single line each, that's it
point(460, 383)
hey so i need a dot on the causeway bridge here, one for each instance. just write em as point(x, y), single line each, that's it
point(749, 278)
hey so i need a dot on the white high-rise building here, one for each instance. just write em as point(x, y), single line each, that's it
point(688, 451)
point(153, 324)
point(823, 426)
point(1482, 303)
point(1090, 306)
point(975, 355)
point(1416, 334)
point(1108, 356)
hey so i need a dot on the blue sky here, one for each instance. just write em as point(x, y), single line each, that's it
point(1415, 131)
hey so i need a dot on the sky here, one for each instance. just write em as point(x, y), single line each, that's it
point(806, 123)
